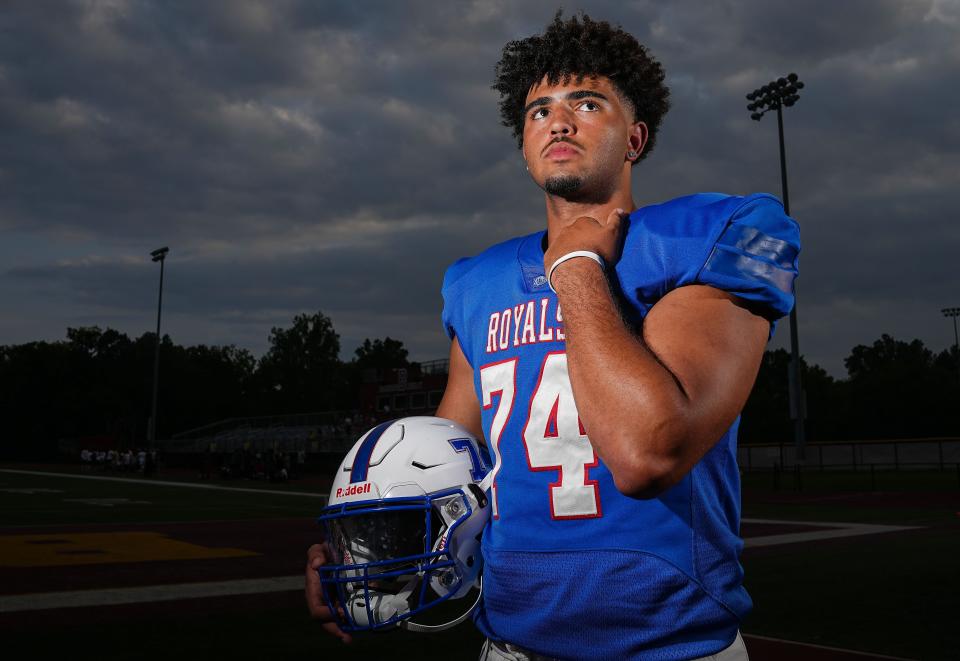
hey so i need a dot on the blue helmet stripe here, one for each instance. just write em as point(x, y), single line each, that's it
point(361, 462)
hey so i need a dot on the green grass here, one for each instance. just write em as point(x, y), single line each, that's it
point(163, 503)
point(910, 498)
point(894, 594)
point(891, 593)
point(840, 513)
point(275, 634)
point(813, 480)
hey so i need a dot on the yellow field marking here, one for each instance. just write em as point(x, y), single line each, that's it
point(103, 548)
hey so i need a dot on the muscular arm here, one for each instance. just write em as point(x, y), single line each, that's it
point(459, 401)
point(653, 404)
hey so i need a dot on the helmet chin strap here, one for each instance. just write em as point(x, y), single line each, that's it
point(383, 606)
point(487, 480)
point(391, 605)
point(428, 628)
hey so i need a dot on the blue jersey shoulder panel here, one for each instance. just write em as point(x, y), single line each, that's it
point(743, 245)
point(756, 256)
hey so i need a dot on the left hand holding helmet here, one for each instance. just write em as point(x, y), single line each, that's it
point(317, 556)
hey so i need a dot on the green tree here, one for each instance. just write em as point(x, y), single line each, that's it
point(96, 343)
point(766, 416)
point(302, 370)
point(200, 384)
point(381, 354)
point(99, 383)
point(898, 389)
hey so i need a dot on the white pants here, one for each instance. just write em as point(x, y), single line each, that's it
point(492, 651)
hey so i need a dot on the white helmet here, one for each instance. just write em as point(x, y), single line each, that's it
point(404, 521)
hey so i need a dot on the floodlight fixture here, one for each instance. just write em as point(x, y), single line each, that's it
point(776, 95)
point(157, 255)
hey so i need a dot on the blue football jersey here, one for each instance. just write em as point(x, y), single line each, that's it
point(573, 568)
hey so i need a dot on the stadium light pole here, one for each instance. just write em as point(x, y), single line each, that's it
point(954, 312)
point(158, 255)
point(775, 95)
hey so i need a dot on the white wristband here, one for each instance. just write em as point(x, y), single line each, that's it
point(573, 255)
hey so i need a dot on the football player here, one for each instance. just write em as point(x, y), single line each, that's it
point(605, 361)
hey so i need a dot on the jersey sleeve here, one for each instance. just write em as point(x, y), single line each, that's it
point(451, 315)
point(756, 257)
point(454, 314)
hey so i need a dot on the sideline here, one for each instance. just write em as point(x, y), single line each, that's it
point(147, 594)
point(165, 483)
point(825, 648)
point(837, 530)
point(159, 593)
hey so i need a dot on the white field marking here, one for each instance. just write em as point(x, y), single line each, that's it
point(30, 492)
point(147, 594)
point(162, 483)
point(107, 502)
point(141, 522)
point(828, 648)
point(836, 530)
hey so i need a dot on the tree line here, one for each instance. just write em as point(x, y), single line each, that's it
point(893, 389)
point(99, 383)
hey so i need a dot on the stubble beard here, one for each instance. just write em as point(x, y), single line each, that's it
point(577, 188)
point(563, 185)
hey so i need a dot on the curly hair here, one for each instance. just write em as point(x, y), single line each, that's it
point(575, 49)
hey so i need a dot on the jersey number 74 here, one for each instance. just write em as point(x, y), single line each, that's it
point(553, 436)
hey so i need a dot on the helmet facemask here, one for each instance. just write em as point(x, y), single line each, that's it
point(394, 558)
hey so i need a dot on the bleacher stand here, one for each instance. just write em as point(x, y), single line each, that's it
point(287, 444)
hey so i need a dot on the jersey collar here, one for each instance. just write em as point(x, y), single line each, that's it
point(530, 256)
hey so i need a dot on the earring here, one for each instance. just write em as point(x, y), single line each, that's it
point(631, 154)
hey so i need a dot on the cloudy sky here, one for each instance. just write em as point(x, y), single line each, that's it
point(298, 156)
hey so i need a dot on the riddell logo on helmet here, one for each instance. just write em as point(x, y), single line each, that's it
point(353, 490)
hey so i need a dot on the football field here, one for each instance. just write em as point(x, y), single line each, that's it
point(97, 566)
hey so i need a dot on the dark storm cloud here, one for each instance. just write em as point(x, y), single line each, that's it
point(170, 114)
point(345, 279)
point(305, 155)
